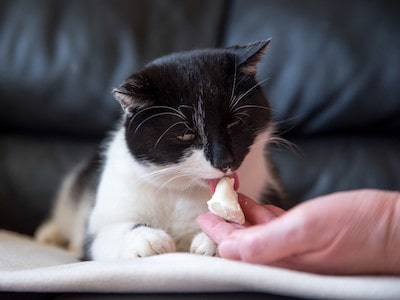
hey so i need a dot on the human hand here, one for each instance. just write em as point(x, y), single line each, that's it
point(355, 232)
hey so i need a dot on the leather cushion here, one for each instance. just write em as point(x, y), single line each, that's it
point(59, 60)
point(333, 66)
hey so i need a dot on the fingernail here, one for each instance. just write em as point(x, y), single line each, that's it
point(229, 249)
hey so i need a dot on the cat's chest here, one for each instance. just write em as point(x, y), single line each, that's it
point(172, 209)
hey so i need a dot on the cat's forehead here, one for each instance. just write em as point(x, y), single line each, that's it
point(195, 58)
point(193, 67)
point(190, 76)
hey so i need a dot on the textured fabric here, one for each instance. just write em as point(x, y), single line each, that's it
point(52, 270)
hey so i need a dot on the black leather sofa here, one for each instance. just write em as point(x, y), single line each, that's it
point(334, 86)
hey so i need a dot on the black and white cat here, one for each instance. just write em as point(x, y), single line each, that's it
point(189, 118)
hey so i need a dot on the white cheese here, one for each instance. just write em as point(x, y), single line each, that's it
point(224, 202)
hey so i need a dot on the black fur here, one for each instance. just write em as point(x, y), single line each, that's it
point(189, 94)
point(137, 225)
point(88, 177)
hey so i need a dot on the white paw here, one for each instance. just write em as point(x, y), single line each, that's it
point(203, 245)
point(48, 233)
point(146, 241)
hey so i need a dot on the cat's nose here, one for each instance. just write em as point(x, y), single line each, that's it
point(224, 162)
point(220, 156)
point(225, 169)
point(226, 166)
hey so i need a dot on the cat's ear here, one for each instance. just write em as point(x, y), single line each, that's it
point(250, 55)
point(131, 96)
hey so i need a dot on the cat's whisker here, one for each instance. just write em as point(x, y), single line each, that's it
point(250, 106)
point(274, 140)
point(243, 114)
point(238, 99)
point(178, 175)
point(155, 116)
point(242, 120)
point(156, 107)
point(184, 106)
point(140, 112)
point(158, 173)
point(166, 131)
point(286, 122)
point(262, 141)
point(172, 173)
point(177, 111)
point(191, 184)
point(132, 118)
point(280, 143)
point(153, 174)
point(234, 103)
point(233, 86)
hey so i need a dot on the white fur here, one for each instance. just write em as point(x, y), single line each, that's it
point(168, 199)
point(128, 195)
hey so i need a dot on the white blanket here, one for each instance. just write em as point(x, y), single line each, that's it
point(27, 266)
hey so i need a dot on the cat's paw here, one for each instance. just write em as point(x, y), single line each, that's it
point(145, 241)
point(203, 245)
point(48, 233)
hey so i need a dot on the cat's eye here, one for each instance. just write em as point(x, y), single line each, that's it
point(187, 137)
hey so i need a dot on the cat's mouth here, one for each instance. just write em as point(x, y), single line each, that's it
point(213, 182)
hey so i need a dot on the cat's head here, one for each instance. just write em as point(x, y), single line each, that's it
point(193, 116)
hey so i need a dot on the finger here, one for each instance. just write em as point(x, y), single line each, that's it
point(277, 211)
point(256, 213)
point(267, 243)
point(215, 227)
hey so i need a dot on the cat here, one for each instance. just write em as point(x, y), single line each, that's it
point(188, 118)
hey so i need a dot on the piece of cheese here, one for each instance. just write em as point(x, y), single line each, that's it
point(224, 202)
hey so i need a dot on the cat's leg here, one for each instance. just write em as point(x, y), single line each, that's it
point(203, 245)
point(55, 230)
point(129, 240)
point(66, 226)
point(50, 233)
